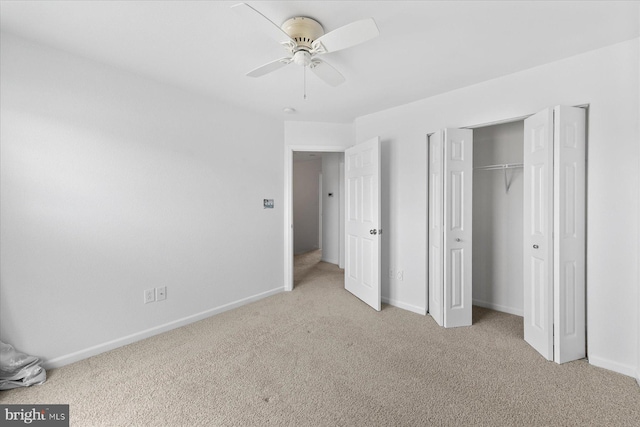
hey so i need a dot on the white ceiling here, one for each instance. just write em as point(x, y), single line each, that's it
point(425, 47)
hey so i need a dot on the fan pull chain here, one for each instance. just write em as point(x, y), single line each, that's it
point(304, 79)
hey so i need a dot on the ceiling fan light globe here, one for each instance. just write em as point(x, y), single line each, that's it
point(302, 57)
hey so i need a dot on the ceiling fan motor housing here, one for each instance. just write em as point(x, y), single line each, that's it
point(304, 31)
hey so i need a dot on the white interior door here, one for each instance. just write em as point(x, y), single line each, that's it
point(436, 247)
point(458, 203)
point(569, 234)
point(538, 228)
point(362, 225)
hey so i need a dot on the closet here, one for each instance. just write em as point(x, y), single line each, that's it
point(498, 187)
point(507, 226)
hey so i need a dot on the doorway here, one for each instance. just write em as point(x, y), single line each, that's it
point(307, 202)
point(498, 188)
point(314, 205)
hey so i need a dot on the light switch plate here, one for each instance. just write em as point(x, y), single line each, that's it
point(149, 296)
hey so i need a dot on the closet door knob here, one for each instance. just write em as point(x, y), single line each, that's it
point(535, 246)
point(373, 231)
point(458, 240)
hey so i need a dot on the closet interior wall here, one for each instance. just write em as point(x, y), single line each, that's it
point(498, 218)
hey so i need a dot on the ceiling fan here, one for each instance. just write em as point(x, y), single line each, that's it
point(305, 39)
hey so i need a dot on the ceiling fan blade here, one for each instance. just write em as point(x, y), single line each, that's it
point(326, 72)
point(269, 67)
point(350, 35)
point(264, 24)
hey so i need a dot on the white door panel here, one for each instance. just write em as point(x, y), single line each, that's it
point(458, 193)
point(436, 248)
point(450, 218)
point(362, 225)
point(538, 226)
point(554, 237)
point(569, 241)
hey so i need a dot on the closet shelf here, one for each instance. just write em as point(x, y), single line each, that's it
point(504, 167)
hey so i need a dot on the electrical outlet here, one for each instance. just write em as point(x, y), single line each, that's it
point(391, 275)
point(400, 275)
point(161, 293)
point(149, 296)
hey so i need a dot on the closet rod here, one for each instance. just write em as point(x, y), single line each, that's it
point(504, 166)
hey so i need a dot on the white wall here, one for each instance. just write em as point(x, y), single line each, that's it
point(306, 205)
point(318, 134)
point(607, 79)
point(498, 218)
point(331, 243)
point(112, 184)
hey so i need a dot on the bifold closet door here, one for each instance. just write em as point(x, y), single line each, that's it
point(436, 233)
point(569, 234)
point(554, 233)
point(538, 229)
point(450, 222)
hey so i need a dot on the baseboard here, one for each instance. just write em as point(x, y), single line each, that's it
point(138, 336)
point(498, 307)
point(638, 376)
point(330, 261)
point(614, 366)
point(404, 306)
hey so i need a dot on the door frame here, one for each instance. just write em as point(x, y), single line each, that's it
point(288, 203)
point(586, 107)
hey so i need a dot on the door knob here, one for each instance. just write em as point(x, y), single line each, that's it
point(374, 231)
point(458, 240)
point(535, 246)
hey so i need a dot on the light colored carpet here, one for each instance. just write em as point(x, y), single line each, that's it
point(317, 356)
